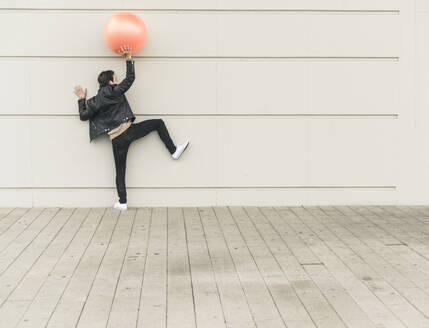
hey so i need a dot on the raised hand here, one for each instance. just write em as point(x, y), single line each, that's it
point(126, 51)
point(79, 92)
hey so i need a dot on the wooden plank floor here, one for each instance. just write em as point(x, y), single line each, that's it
point(215, 267)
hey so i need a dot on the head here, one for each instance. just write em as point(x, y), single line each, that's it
point(106, 78)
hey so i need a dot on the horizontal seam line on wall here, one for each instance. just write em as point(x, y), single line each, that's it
point(396, 58)
point(218, 115)
point(213, 10)
point(211, 187)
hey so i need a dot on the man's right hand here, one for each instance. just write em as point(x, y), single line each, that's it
point(126, 51)
point(79, 92)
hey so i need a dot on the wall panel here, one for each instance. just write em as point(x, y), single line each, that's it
point(284, 102)
point(207, 86)
point(222, 34)
point(309, 87)
point(355, 151)
point(224, 152)
point(280, 151)
point(422, 6)
point(208, 4)
point(63, 156)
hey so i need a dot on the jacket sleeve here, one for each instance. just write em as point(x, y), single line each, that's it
point(126, 83)
point(85, 112)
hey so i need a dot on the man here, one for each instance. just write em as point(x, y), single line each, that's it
point(109, 113)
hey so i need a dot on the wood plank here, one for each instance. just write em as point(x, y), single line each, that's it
point(17, 227)
point(387, 228)
point(355, 231)
point(153, 298)
point(33, 279)
point(72, 301)
point(125, 307)
point(290, 251)
point(366, 287)
point(235, 267)
point(180, 293)
point(237, 311)
point(11, 312)
point(284, 295)
point(10, 254)
point(96, 310)
point(412, 231)
point(208, 305)
point(10, 217)
point(46, 262)
point(346, 307)
point(4, 211)
point(14, 269)
point(261, 302)
point(16, 272)
point(41, 307)
point(418, 212)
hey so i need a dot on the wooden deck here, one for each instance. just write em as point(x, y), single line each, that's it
point(235, 267)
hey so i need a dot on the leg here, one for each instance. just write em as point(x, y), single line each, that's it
point(120, 150)
point(139, 130)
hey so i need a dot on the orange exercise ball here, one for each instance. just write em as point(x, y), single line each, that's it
point(124, 29)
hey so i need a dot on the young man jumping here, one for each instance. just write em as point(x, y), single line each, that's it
point(109, 113)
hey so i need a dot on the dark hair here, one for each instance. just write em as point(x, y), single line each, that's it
point(104, 78)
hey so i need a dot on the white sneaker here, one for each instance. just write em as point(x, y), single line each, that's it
point(180, 149)
point(119, 206)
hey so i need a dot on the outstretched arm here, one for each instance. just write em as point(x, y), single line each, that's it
point(122, 87)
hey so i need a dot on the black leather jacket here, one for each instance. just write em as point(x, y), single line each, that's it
point(109, 108)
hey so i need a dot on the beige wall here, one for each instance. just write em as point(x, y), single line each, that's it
point(284, 102)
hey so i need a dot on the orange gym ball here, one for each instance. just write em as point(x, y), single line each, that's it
point(124, 29)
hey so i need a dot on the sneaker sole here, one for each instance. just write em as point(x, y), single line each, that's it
point(183, 150)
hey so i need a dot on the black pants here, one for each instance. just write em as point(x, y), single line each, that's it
point(121, 143)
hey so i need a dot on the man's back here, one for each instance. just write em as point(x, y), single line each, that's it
point(109, 108)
